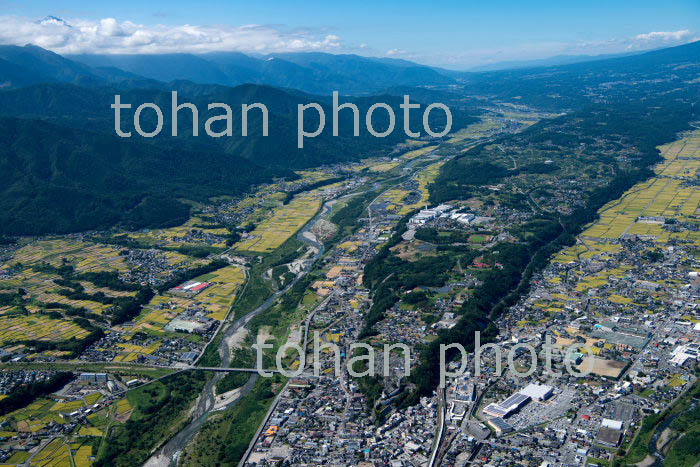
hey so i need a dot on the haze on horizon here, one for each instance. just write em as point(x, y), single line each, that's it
point(449, 34)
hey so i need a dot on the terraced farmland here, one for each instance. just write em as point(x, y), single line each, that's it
point(175, 237)
point(283, 222)
point(38, 327)
point(671, 194)
point(642, 211)
point(54, 454)
point(85, 256)
point(82, 456)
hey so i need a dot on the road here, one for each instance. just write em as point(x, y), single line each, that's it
point(262, 426)
point(169, 454)
point(437, 445)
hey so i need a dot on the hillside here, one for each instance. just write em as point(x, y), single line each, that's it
point(71, 173)
point(613, 80)
point(30, 64)
point(56, 179)
point(64, 170)
point(88, 109)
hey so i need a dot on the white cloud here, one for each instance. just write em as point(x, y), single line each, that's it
point(664, 35)
point(530, 51)
point(110, 27)
point(392, 52)
point(109, 36)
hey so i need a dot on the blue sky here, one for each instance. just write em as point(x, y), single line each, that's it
point(457, 34)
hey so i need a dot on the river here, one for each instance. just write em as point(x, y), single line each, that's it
point(169, 454)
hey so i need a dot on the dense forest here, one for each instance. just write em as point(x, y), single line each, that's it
point(57, 179)
point(62, 169)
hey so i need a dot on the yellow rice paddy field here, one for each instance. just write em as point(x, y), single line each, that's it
point(418, 152)
point(666, 195)
point(475, 130)
point(216, 299)
point(56, 452)
point(38, 327)
point(159, 312)
point(640, 211)
point(123, 406)
point(84, 256)
point(396, 196)
point(284, 221)
point(219, 297)
point(383, 166)
point(174, 237)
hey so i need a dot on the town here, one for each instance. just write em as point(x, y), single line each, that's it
point(365, 272)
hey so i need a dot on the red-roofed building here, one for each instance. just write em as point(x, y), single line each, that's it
point(200, 287)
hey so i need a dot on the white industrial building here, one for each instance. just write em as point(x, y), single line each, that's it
point(539, 392)
point(684, 353)
point(614, 424)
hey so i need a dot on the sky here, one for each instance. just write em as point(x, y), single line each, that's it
point(453, 34)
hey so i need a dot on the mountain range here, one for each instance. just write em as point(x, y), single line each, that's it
point(671, 72)
point(549, 61)
point(310, 72)
point(319, 73)
point(62, 169)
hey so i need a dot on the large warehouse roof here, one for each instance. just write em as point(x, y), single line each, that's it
point(537, 391)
